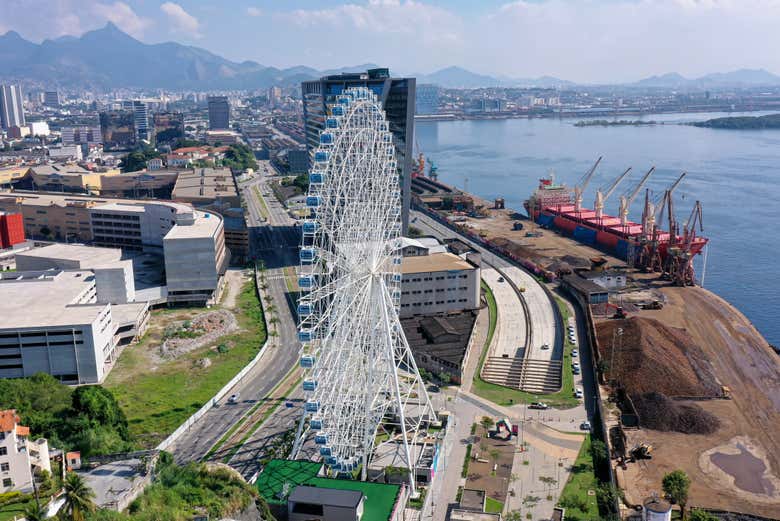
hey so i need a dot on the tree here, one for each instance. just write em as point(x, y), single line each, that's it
point(676, 485)
point(514, 515)
point(35, 512)
point(697, 514)
point(78, 498)
point(598, 450)
point(487, 422)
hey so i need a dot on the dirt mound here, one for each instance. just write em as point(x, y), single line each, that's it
point(659, 412)
point(650, 357)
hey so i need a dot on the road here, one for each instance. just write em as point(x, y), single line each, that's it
point(544, 328)
point(276, 243)
point(511, 331)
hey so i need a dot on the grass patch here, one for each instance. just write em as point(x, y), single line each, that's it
point(157, 396)
point(493, 506)
point(464, 473)
point(263, 208)
point(501, 395)
point(574, 498)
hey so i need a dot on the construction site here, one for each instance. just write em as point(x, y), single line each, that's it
point(686, 380)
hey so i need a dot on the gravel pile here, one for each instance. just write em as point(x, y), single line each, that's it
point(659, 412)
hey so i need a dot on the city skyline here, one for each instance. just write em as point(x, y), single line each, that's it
point(588, 42)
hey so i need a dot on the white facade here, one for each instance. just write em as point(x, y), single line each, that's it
point(53, 323)
point(18, 454)
point(195, 259)
point(438, 283)
point(39, 128)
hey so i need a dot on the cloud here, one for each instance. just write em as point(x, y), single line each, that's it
point(180, 20)
point(254, 11)
point(121, 15)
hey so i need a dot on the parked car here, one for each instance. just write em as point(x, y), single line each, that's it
point(585, 426)
point(539, 405)
point(575, 370)
point(575, 353)
point(233, 398)
point(575, 365)
point(545, 347)
point(578, 392)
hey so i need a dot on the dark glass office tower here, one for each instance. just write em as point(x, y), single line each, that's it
point(397, 96)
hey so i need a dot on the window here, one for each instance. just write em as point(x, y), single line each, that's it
point(8, 482)
point(5, 467)
point(3, 451)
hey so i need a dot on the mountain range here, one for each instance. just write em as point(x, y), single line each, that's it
point(109, 58)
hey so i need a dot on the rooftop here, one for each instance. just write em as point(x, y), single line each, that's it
point(205, 184)
point(434, 262)
point(326, 496)
point(206, 225)
point(8, 419)
point(379, 501)
point(583, 285)
point(48, 298)
point(90, 255)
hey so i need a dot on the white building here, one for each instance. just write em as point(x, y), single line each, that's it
point(66, 153)
point(611, 280)
point(19, 456)
point(438, 282)
point(114, 276)
point(39, 128)
point(195, 259)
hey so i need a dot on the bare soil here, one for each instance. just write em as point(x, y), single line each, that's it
point(652, 357)
point(738, 356)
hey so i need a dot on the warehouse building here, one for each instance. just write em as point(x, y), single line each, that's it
point(433, 283)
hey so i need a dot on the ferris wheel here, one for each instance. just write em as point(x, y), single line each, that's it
point(361, 381)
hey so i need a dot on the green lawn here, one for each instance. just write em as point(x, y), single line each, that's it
point(574, 498)
point(8, 512)
point(493, 506)
point(157, 400)
point(506, 396)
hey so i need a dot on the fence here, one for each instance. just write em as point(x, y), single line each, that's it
point(184, 427)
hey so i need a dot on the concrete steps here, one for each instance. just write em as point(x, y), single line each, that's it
point(535, 376)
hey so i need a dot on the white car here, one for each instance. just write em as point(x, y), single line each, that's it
point(585, 426)
point(574, 353)
point(545, 347)
point(233, 398)
point(578, 392)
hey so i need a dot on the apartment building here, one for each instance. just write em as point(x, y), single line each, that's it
point(19, 456)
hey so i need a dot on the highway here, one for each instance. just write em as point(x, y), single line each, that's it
point(276, 243)
point(511, 331)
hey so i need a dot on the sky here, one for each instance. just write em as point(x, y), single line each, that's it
point(589, 41)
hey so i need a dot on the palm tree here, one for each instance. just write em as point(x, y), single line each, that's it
point(78, 498)
point(35, 512)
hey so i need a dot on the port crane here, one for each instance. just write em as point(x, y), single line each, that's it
point(653, 211)
point(626, 200)
point(681, 253)
point(583, 184)
point(601, 198)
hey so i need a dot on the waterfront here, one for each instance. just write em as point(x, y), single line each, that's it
point(733, 173)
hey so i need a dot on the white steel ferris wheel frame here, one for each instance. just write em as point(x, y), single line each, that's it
point(361, 380)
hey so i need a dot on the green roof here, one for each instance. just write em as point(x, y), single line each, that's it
point(380, 498)
point(280, 471)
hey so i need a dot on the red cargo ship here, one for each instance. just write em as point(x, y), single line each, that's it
point(556, 206)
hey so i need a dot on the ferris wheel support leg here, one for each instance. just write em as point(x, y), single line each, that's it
point(400, 405)
point(299, 436)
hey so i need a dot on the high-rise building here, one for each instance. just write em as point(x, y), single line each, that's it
point(219, 113)
point(397, 96)
point(83, 134)
point(141, 121)
point(11, 106)
point(51, 98)
point(427, 99)
point(118, 129)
